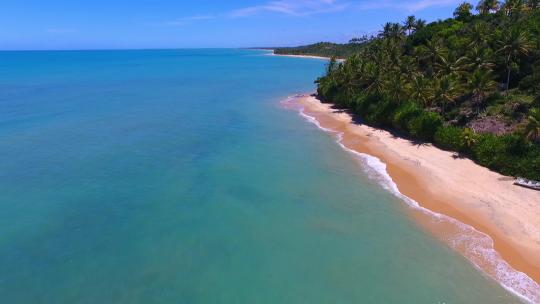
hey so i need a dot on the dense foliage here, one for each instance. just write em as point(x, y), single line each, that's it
point(470, 84)
point(324, 49)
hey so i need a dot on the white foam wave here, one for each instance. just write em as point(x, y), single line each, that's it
point(478, 246)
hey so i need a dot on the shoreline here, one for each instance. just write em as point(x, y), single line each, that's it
point(271, 53)
point(302, 56)
point(477, 212)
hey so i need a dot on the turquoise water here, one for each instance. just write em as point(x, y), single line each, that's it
point(174, 176)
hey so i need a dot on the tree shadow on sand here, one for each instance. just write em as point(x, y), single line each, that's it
point(396, 134)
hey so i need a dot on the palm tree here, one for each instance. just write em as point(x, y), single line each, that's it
point(419, 89)
point(485, 7)
point(511, 7)
point(386, 30)
point(374, 80)
point(532, 128)
point(515, 43)
point(395, 86)
point(481, 84)
point(430, 51)
point(445, 92)
point(328, 83)
point(392, 30)
point(419, 24)
point(468, 137)
point(350, 71)
point(463, 11)
point(533, 4)
point(332, 65)
point(480, 58)
point(479, 34)
point(409, 24)
point(409, 67)
point(448, 65)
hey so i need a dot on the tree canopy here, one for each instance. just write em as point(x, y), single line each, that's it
point(473, 76)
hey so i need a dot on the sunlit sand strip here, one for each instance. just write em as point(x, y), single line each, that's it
point(483, 228)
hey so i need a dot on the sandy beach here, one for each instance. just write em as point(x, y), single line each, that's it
point(301, 56)
point(305, 56)
point(505, 241)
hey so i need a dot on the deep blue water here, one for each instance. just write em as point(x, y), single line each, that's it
point(174, 176)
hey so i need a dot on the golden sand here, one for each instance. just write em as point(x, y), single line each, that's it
point(457, 188)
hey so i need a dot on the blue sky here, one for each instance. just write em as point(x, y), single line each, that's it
point(117, 24)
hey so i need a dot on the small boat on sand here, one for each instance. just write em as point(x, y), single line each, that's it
point(523, 182)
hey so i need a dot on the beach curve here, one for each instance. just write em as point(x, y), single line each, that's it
point(497, 231)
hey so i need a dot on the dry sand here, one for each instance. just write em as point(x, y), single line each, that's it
point(302, 56)
point(306, 56)
point(459, 189)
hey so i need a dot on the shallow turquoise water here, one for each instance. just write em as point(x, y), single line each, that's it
point(175, 177)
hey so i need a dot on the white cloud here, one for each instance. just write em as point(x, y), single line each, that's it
point(292, 7)
point(312, 7)
point(409, 6)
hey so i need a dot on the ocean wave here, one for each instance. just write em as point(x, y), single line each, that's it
point(475, 245)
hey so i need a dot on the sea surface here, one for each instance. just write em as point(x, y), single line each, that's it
point(176, 176)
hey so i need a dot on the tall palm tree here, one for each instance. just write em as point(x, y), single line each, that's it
point(385, 30)
point(463, 11)
point(332, 65)
point(409, 24)
point(419, 90)
point(445, 92)
point(409, 67)
point(447, 64)
point(374, 80)
point(350, 74)
point(429, 52)
point(481, 84)
point(395, 87)
point(532, 128)
point(485, 7)
point(419, 24)
point(392, 30)
point(514, 44)
point(513, 7)
point(479, 34)
point(480, 58)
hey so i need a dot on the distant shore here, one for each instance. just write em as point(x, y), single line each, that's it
point(479, 213)
point(271, 53)
point(302, 56)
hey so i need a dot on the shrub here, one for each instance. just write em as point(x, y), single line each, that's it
point(489, 149)
point(449, 138)
point(508, 155)
point(515, 144)
point(404, 113)
point(361, 104)
point(468, 139)
point(381, 113)
point(425, 125)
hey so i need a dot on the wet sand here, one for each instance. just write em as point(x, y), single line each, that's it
point(502, 231)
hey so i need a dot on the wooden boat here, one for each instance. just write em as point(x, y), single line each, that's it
point(523, 182)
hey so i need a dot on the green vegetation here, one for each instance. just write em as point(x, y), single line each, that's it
point(324, 49)
point(469, 84)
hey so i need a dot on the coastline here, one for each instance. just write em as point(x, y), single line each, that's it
point(302, 56)
point(271, 53)
point(477, 212)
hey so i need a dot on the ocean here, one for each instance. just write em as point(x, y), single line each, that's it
point(177, 176)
